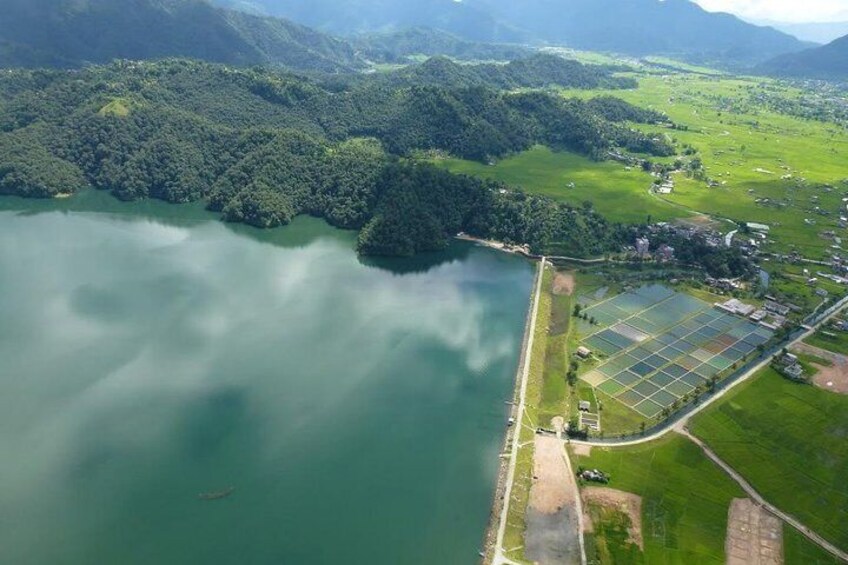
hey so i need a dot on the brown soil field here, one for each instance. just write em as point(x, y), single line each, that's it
point(626, 502)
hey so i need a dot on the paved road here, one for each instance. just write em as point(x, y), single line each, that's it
point(500, 558)
point(746, 486)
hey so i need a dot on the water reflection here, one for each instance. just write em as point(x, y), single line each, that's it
point(144, 361)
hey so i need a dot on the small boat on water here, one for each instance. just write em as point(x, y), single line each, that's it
point(216, 495)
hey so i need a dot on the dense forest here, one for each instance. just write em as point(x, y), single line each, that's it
point(263, 147)
point(533, 71)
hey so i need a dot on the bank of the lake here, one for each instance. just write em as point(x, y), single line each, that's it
point(149, 353)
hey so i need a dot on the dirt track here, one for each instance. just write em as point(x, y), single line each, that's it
point(552, 515)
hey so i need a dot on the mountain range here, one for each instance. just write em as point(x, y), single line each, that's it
point(70, 33)
point(632, 27)
point(829, 62)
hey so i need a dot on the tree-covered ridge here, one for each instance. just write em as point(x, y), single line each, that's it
point(263, 147)
point(71, 33)
point(397, 46)
point(535, 71)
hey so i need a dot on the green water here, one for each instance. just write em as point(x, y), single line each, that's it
point(149, 353)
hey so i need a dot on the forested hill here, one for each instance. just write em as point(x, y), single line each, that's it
point(634, 27)
point(397, 46)
point(536, 71)
point(829, 62)
point(70, 33)
point(262, 147)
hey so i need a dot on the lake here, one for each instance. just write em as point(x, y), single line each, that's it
point(150, 354)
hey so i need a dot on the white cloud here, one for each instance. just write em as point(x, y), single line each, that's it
point(781, 10)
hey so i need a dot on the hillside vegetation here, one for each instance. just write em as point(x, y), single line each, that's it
point(262, 147)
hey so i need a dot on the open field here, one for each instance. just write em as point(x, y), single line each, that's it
point(789, 441)
point(750, 147)
point(685, 498)
point(798, 550)
point(837, 342)
point(771, 168)
point(607, 184)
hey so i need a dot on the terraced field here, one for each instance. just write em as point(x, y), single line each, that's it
point(657, 347)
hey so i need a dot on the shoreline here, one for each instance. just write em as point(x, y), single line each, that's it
point(488, 551)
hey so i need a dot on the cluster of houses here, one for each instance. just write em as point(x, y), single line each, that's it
point(664, 253)
point(789, 366)
point(771, 316)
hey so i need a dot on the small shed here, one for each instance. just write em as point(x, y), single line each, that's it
point(584, 352)
point(584, 406)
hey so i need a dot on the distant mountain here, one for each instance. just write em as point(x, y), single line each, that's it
point(645, 27)
point(829, 62)
point(70, 33)
point(635, 27)
point(822, 33)
point(351, 17)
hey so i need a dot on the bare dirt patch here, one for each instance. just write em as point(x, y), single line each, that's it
point(564, 284)
point(552, 487)
point(625, 502)
point(582, 450)
point(552, 520)
point(754, 536)
point(833, 378)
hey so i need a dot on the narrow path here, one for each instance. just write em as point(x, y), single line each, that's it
point(757, 497)
point(522, 395)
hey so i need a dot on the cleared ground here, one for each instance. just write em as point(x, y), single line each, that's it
point(790, 441)
point(754, 536)
point(552, 521)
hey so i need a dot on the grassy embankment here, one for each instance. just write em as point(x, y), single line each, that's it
point(685, 500)
point(514, 535)
point(789, 441)
point(548, 393)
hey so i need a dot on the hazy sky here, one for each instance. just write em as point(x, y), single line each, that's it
point(782, 10)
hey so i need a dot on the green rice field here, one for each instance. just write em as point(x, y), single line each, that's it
point(681, 524)
point(606, 184)
point(790, 441)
